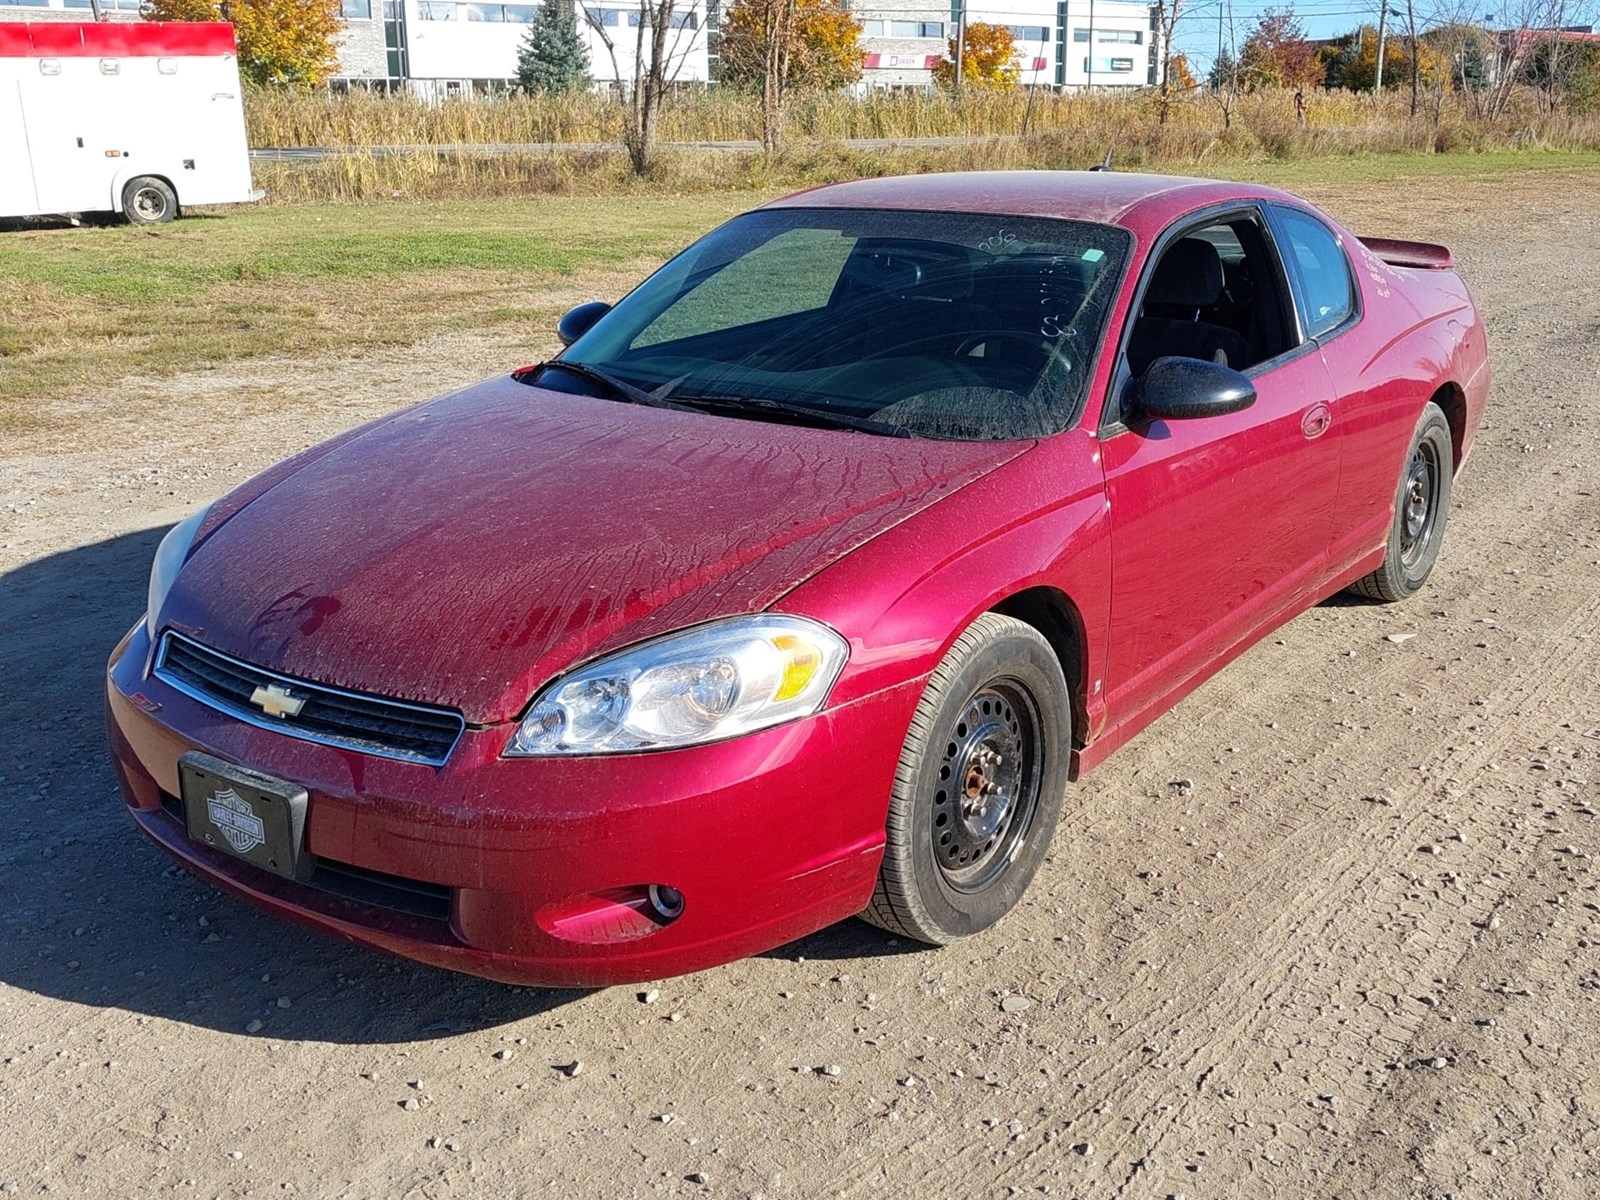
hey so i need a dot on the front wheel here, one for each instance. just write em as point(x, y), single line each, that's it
point(1421, 508)
point(978, 790)
point(149, 201)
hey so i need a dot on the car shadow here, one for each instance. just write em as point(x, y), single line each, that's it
point(93, 914)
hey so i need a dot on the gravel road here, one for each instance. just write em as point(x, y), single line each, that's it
point(1329, 929)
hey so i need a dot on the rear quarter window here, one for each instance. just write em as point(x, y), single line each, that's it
point(1321, 269)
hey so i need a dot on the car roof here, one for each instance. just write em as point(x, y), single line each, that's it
point(1110, 197)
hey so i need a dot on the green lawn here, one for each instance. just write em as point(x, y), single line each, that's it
point(83, 307)
point(79, 305)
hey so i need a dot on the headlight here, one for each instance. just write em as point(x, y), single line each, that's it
point(170, 556)
point(702, 685)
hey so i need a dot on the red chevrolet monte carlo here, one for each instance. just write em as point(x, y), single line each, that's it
point(803, 582)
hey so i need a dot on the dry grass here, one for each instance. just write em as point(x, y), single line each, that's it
point(1355, 122)
point(1065, 131)
point(427, 176)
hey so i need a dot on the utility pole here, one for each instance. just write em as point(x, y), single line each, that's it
point(1089, 62)
point(1383, 32)
point(961, 40)
point(1411, 49)
point(1218, 71)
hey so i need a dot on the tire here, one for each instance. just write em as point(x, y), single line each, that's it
point(147, 200)
point(996, 714)
point(1421, 509)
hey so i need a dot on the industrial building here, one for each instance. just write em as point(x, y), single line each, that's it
point(444, 48)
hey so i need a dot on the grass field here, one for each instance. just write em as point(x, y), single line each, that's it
point(83, 307)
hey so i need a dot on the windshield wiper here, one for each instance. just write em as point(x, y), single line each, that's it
point(630, 393)
point(802, 412)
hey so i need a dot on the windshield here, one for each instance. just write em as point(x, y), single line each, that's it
point(948, 325)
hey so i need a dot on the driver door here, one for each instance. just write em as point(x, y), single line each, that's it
point(1218, 523)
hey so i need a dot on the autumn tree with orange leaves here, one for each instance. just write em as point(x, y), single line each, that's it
point(785, 46)
point(988, 59)
point(1277, 53)
point(280, 41)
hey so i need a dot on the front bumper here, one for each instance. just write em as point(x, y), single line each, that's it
point(767, 837)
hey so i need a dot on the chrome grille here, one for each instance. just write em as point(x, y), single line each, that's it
point(370, 724)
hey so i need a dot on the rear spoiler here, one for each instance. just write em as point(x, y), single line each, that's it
point(1410, 254)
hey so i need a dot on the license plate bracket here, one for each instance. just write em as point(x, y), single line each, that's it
point(244, 813)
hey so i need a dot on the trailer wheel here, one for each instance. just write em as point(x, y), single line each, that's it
point(149, 201)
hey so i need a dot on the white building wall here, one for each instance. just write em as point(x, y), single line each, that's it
point(1072, 44)
point(453, 47)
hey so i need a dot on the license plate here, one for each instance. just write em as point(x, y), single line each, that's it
point(243, 812)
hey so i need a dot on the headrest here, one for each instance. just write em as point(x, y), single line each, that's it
point(1188, 276)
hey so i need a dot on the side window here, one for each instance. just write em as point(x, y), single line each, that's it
point(1215, 294)
point(741, 293)
point(1315, 256)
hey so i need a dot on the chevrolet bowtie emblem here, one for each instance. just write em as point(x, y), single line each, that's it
point(276, 701)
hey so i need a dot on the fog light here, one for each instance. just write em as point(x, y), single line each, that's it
point(612, 915)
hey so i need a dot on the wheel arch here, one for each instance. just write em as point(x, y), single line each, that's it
point(1054, 614)
point(1452, 399)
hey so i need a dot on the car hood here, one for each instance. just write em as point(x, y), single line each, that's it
point(466, 551)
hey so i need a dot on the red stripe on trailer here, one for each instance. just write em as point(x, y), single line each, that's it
point(115, 39)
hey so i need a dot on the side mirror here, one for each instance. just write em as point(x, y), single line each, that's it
point(575, 322)
point(1176, 389)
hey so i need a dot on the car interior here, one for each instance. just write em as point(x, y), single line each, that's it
point(1215, 294)
point(944, 337)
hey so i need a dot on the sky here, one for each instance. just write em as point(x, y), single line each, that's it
point(1196, 34)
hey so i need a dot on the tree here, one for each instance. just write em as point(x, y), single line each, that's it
point(280, 41)
point(1224, 80)
point(661, 42)
point(1166, 16)
point(1277, 54)
point(783, 46)
point(1353, 61)
point(552, 57)
point(988, 59)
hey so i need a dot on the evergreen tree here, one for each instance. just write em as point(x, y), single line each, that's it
point(552, 57)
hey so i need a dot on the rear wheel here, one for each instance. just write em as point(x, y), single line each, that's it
point(149, 201)
point(1421, 508)
point(978, 790)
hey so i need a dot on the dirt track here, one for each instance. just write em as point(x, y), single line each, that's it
point(1359, 956)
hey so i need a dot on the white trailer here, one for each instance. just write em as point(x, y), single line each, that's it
point(138, 118)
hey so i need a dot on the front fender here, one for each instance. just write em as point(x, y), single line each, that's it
point(1039, 522)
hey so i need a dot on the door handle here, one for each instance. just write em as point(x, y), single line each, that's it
point(1316, 420)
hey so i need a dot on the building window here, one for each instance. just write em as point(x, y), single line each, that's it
point(437, 10)
point(1080, 35)
point(355, 10)
point(872, 28)
point(916, 29)
point(1130, 36)
point(606, 17)
point(108, 5)
point(1030, 33)
point(680, 20)
point(28, 4)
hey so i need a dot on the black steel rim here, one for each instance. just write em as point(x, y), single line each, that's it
point(1419, 500)
point(987, 789)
